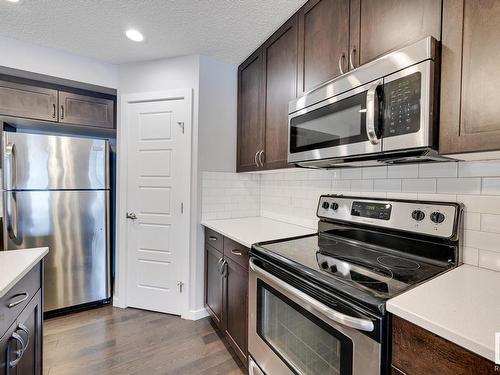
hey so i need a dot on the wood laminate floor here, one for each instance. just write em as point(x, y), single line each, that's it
point(112, 341)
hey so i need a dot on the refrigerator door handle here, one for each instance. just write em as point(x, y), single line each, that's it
point(10, 166)
point(11, 223)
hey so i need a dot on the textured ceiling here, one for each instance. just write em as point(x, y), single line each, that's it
point(225, 29)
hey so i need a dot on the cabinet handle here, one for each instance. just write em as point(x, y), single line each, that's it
point(54, 110)
point(221, 260)
point(62, 112)
point(18, 353)
point(236, 252)
point(261, 152)
point(255, 158)
point(212, 238)
point(23, 328)
point(24, 298)
point(341, 63)
point(223, 269)
point(351, 60)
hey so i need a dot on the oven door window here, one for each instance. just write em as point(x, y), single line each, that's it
point(305, 343)
point(335, 124)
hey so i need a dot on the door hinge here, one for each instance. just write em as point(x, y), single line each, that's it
point(181, 124)
point(182, 208)
point(180, 284)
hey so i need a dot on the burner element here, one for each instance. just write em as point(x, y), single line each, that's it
point(398, 263)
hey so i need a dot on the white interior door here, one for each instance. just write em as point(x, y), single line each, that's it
point(159, 164)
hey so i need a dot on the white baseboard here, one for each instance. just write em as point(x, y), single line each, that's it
point(118, 303)
point(195, 314)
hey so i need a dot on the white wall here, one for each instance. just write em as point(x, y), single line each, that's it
point(214, 133)
point(57, 63)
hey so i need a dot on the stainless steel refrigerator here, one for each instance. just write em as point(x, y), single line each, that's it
point(56, 194)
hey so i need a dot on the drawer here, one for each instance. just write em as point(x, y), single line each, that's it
point(237, 252)
point(22, 292)
point(214, 239)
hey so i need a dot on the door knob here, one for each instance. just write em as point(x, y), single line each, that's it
point(131, 215)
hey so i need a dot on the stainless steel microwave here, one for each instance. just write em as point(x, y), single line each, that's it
point(382, 112)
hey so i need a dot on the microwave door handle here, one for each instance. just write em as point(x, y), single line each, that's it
point(371, 96)
point(307, 301)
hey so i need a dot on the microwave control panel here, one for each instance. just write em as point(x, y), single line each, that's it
point(402, 105)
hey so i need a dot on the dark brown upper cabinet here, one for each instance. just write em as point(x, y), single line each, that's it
point(377, 27)
point(280, 78)
point(323, 42)
point(251, 128)
point(19, 100)
point(470, 114)
point(86, 110)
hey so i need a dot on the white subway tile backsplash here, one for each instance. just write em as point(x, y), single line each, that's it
point(491, 186)
point(350, 173)
point(482, 240)
point(387, 185)
point(472, 221)
point(459, 185)
point(487, 204)
point(374, 172)
point(489, 259)
point(490, 223)
point(479, 168)
point(470, 256)
point(403, 171)
point(362, 185)
point(447, 169)
point(293, 196)
point(419, 185)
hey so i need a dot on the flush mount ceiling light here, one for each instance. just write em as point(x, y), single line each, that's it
point(13, 1)
point(134, 35)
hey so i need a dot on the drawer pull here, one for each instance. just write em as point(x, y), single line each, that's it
point(236, 252)
point(212, 238)
point(24, 295)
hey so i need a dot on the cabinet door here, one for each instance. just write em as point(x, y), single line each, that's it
point(383, 25)
point(213, 284)
point(280, 75)
point(8, 348)
point(235, 315)
point(28, 101)
point(29, 326)
point(86, 110)
point(470, 114)
point(250, 113)
point(323, 42)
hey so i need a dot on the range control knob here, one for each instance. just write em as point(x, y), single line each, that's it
point(334, 206)
point(418, 215)
point(326, 205)
point(324, 265)
point(333, 268)
point(437, 217)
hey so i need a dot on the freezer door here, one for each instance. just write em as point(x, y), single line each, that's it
point(45, 162)
point(75, 227)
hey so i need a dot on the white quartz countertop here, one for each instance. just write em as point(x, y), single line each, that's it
point(250, 230)
point(462, 306)
point(15, 264)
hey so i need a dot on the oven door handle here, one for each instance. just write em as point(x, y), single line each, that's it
point(336, 316)
point(371, 96)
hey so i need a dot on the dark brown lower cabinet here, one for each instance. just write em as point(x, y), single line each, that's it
point(226, 291)
point(236, 308)
point(21, 345)
point(416, 351)
point(213, 284)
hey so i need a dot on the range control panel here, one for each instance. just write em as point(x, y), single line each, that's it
point(436, 219)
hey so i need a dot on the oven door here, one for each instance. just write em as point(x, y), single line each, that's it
point(292, 333)
point(344, 125)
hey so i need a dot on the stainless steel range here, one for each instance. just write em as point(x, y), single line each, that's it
point(317, 303)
